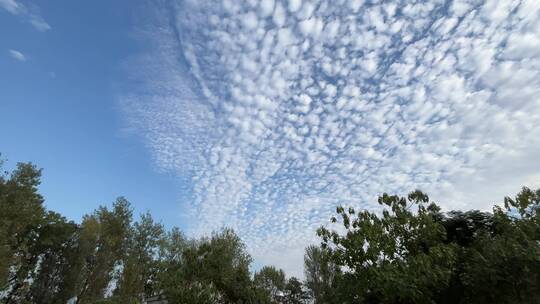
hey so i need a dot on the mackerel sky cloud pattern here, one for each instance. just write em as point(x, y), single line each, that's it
point(277, 111)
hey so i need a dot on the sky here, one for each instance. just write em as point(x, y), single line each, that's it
point(263, 116)
point(62, 65)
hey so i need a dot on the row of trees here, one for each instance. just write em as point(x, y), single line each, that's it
point(411, 252)
point(110, 258)
point(414, 253)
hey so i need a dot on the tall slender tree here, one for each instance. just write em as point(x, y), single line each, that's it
point(104, 242)
point(140, 266)
point(54, 249)
point(320, 271)
point(21, 216)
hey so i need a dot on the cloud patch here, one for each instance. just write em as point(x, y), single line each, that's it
point(29, 13)
point(17, 55)
point(278, 111)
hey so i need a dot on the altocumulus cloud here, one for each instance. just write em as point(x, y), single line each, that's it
point(278, 111)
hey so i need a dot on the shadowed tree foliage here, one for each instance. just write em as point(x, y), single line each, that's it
point(295, 292)
point(55, 249)
point(502, 264)
point(22, 214)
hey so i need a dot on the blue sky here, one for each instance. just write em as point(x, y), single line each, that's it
point(264, 115)
point(59, 108)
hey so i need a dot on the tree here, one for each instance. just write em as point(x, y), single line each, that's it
point(294, 292)
point(55, 250)
point(271, 280)
point(102, 247)
point(170, 261)
point(320, 271)
point(140, 266)
point(173, 270)
point(502, 265)
point(399, 257)
point(37, 246)
point(409, 252)
point(413, 253)
point(214, 270)
point(21, 216)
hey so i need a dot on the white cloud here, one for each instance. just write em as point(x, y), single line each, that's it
point(29, 13)
point(295, 5)
point(10, 5)
point(279, 112)
point(39, 24)
point(17, 55)
point(266, 7)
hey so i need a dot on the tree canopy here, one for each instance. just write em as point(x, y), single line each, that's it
point(414, 253)
point(408, 252)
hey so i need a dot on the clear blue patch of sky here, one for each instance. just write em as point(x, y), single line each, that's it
point(59, 109)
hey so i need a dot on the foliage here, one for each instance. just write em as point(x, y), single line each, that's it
point(103, 247)
point(271, 280)
point(139, 275)
point(211, 270)
point(55, 249)
point(21, 217)
point(502, 265)
point(295, 292)
point(409, 252)
point(320, 271)
point(413, 253)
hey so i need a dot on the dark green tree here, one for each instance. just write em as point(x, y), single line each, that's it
point(413, 253)
point(320, 271)
point(140, 266)
point(55, 249)
point(214, 270)
point(295, 292)
point(502, 264)
point(271, 280)
point(462, 229)
point(103, 245)
point(21, 216)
